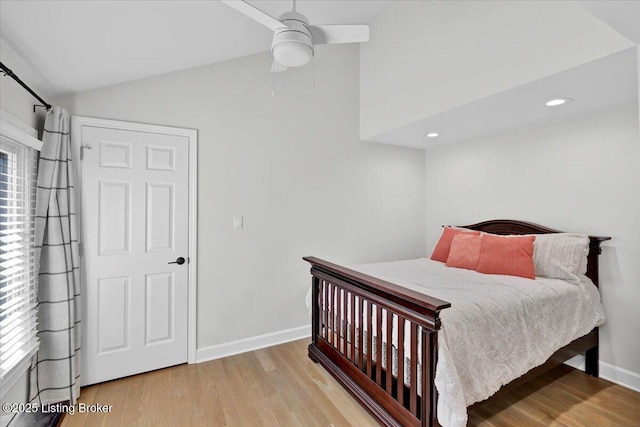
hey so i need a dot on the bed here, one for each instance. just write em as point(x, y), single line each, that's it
point(381, 339)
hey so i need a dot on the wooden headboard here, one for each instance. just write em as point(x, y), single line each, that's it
point(510, 226)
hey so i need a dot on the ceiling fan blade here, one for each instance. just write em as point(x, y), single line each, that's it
point(277, 67)
point(255, 14)
point(331, 34)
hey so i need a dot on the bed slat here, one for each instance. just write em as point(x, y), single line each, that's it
point(369, 339)
point(360, 333)
point(389, 367)
point(343, 322)
point(378, 344)
point(414, 369)
point(428, 373)
point(316, 297)
point(331, 312)
point(325, 305)
point(352, 321)
point(400, 374)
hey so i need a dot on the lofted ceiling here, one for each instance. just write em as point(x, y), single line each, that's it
point(70, 46)
point(600, 84)
point(622, 16)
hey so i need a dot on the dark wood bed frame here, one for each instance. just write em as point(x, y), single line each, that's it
point(350, 361)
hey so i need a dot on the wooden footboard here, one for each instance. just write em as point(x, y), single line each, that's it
point(359, 323)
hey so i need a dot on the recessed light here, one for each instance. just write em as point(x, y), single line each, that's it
point(558, 101)
point(432, 134)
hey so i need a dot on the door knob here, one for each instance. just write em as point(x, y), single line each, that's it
point(178, 261)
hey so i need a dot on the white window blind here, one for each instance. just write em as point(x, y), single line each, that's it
point(18, 310)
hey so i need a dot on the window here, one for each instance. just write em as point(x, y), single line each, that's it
point(18, 276)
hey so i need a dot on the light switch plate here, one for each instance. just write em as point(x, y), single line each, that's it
point(238, 223)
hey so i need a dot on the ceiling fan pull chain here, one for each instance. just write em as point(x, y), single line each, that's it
point(313, 72)
point(273, 84)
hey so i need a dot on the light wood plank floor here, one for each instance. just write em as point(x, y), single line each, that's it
point(281, 386)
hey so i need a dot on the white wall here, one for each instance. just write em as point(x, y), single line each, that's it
point(19, 103)
point(580, 175)
point(427, 57)
point(293, 166)
point(13, 98)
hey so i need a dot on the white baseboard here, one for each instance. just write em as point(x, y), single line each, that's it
point(611, 373)
point(219, 351)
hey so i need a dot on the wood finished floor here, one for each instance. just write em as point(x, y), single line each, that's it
point(281, 386)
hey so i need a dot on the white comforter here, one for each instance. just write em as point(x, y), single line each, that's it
point(497, 329)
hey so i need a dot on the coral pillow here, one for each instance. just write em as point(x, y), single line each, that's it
point(441, 251)
point(465, 251)
point(511, 256)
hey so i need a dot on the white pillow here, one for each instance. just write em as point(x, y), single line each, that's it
point(584, 262)
point(561, 256)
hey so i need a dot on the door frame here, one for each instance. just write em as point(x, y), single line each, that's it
point(77, 123)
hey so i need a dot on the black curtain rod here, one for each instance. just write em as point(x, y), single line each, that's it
point(8, 72)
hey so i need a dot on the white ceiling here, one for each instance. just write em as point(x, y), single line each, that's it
point(622, 16)
point(70, 46)
point(594, 86)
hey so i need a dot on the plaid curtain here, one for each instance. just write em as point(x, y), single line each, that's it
point(55, 369)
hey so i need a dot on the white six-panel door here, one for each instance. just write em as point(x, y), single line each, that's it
point(135, 221)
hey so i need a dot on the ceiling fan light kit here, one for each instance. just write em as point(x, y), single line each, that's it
point(292, 45)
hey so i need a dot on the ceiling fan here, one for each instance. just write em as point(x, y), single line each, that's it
point(294, 38)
